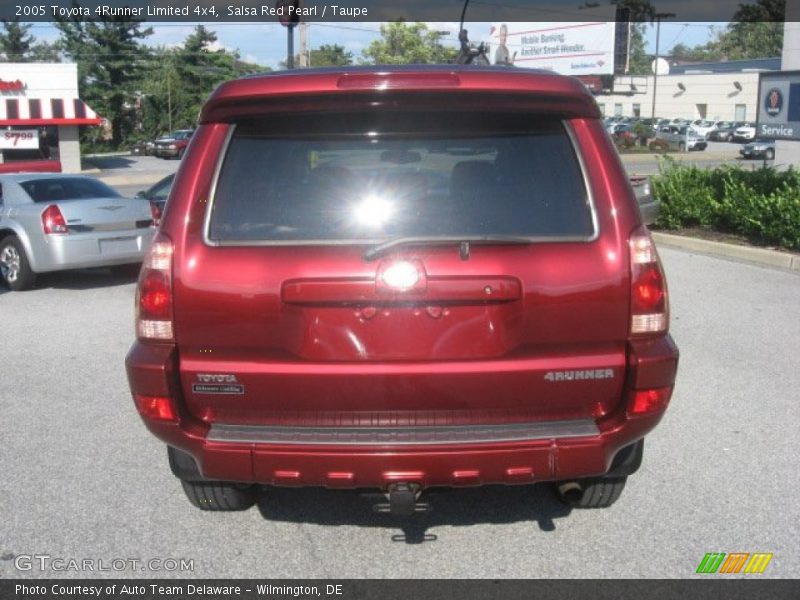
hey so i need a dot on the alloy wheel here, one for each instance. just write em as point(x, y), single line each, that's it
point(9, 263)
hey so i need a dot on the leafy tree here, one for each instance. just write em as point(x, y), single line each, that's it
point(111, 61)
point(331, 55)
point(15, 41)
point(402, 43)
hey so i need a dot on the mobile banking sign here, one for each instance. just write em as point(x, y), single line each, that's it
point(566, 48)
point(779, 105)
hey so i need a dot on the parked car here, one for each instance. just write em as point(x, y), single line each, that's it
point(396, 285)
point(678, 137)
point(623, 134)
point(649, 205)
point(56, 222)
point(723, 132)
point(702, 127)
point(157, 195)
point(759, 148)
point(174, 145)
point(746, 132)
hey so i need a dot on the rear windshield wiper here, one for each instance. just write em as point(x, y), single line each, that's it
point(463, 242)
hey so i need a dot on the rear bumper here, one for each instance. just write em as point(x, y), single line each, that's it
point(76, 251)
point(376, 457)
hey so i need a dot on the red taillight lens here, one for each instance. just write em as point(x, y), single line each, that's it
point(155, 407)
point(53, 221)
point(155, 212)
point(649, 302)
point(155, 296)
point(154, 292)
point(649, 401)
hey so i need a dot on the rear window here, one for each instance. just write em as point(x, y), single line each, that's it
point(348, 177)
point(53, 189)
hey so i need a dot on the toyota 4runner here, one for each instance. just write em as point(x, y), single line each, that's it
point(400, 278)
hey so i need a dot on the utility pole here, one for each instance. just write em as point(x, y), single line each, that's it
point(657, 17)
point(304, 45)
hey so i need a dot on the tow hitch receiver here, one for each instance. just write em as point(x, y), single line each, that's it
point(402, 501)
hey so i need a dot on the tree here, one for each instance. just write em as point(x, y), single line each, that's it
point(401, 44)
point(330, 55)
point(111, 61)
point(755, 32)
point(15, 41)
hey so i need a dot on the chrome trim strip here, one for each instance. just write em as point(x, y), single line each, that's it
point(402, 436)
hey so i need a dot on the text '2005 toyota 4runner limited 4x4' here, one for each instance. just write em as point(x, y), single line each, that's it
point(399, 279)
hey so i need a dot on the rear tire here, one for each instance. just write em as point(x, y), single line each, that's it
point(15, 270)
point(598, 492)
point(219, 496)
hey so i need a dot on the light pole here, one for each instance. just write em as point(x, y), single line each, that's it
point(657, 17)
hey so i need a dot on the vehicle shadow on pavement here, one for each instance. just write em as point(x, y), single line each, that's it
point(83, 280)
point(450, 507)
point(108, 162)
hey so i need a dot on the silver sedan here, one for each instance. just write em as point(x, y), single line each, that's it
point(54, 222)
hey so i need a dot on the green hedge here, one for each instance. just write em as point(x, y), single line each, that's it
point(762, 204)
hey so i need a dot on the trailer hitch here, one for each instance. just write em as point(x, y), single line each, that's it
point(402, 500)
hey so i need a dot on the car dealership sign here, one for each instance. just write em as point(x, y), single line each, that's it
point(779, 105)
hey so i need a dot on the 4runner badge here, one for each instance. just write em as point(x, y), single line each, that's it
point(217, 384)
point(579, 375)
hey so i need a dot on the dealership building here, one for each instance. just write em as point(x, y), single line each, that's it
point(725, 91)
point(40, 112)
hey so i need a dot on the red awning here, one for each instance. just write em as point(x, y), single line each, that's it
point(21, 111)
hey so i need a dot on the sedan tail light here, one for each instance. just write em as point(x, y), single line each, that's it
point(53, 220)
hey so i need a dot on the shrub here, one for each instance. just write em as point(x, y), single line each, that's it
point(762, 204)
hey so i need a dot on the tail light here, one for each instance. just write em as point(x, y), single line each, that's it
point(649, 303)
point(159, 408)
point(154, 292)
point(155, 213)
point(649, 401)
point(53, 221)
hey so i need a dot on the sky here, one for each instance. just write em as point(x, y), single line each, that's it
point(265, 43)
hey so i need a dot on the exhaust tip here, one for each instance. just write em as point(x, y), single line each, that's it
point(570, 491)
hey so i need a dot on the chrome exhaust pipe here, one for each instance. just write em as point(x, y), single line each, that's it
point(570, 491)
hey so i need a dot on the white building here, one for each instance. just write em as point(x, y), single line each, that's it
point(40, 112)
point(721, 91)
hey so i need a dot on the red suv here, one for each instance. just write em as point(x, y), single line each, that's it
point(400, 278)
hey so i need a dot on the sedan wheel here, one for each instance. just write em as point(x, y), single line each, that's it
point(14, 267)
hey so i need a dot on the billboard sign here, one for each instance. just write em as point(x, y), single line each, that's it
point(565, 48)
point(779, 105)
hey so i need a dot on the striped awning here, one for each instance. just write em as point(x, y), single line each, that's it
point(22, 111)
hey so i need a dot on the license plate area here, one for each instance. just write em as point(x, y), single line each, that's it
point(122, 245)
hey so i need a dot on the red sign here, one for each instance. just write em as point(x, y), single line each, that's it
point(11, 86)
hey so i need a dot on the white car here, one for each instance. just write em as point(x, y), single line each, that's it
point(702, 127)
point(53, 221)
point(745, 133)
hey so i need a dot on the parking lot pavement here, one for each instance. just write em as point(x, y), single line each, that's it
point(82, 478)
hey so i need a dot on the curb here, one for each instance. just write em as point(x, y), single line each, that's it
point(680, 157)
point(759, 256)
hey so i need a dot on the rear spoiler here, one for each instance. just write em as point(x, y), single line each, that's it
point(443, 89)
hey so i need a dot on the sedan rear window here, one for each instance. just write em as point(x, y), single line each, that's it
point(54, 189)
point(348, 177)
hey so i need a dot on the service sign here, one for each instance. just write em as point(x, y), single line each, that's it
point(565, 48)
point(19, 139)
point(779, 105)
